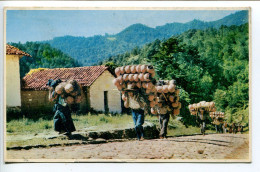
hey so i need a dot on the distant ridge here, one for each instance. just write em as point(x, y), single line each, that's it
point(91, 50)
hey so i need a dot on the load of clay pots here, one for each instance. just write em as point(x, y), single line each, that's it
point(215, 115)
point(166, 98)
point(203, 105)
point(69, 90)
point(133, 79)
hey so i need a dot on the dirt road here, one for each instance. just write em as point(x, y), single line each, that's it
point(213, 146)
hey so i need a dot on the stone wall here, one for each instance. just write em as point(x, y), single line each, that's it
point(97, 89)
point(39, 101)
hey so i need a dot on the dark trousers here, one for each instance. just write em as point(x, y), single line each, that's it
point(138, 117)
point(163, 120)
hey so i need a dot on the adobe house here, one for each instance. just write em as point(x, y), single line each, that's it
point(12, 76)
point(99, 93)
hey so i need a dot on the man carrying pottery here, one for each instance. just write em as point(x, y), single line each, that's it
point(137, 105)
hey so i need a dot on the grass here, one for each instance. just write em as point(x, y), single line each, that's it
point(29, 132)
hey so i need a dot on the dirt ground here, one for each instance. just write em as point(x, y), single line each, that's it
point(212, 146)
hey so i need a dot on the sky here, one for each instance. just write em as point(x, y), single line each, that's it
point(39, 25)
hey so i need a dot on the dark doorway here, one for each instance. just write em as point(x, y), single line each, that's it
point(106, 102)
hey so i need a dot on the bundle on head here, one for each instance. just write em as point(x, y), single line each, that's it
point(217, 115)
point(69, 90)
point(167, 98)
point(203, 105)
point(133, 79)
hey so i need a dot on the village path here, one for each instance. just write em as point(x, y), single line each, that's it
point(212, 146)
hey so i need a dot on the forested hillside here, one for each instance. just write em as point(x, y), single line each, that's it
point(210, 64)
point(91, 50)
point(43, 56)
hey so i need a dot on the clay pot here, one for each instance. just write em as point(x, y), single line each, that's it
point(133, 69)
point(141, 77)
point(177, 92)
point(172, 82)
point(138, 68)
point(176, 111)
point(120, 79)
point(147, 77)
point(136, 79)
point(175, 105)
point(143, 68)
point(150, 69)
point(68, 88)
point(159, 89)
point(117, 71)
point(171, 88)
point(147, 91)
point(122, 70)
point(131, 77)
point(60, 88)
point(151, 97)
point(125, 77)
point(152, 104)
point(143, 85)
point(149, 85)
point(116, 82)
point(171, 98)
point(138, 84)
point(119, 87)
point(127, 69)
point(165, 89)
point(70, 100)
point(153, 89)
point(153, 74)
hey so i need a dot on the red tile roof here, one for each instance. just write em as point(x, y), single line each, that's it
point(11, 50)
point(83, 75)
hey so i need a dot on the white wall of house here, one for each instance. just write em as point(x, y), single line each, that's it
point(12, 78)
point(104, 83)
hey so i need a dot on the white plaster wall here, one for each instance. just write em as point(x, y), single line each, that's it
point(13, 90)
point(104, 83)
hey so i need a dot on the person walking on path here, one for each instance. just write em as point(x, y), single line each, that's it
point(137, 105)
point(62, 114)
point(163, 120)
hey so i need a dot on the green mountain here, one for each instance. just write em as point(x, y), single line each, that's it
point(90, 50)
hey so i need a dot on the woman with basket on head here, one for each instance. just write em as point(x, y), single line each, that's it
point(62, 118)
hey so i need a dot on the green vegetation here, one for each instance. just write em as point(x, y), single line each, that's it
point(28, 132)
point(43, 56)
point(210, 65)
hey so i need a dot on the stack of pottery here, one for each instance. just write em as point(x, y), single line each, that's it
point(133, 80)
point(214, 115)
point(166, 98)
point(70, 91)
point(203, 105)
